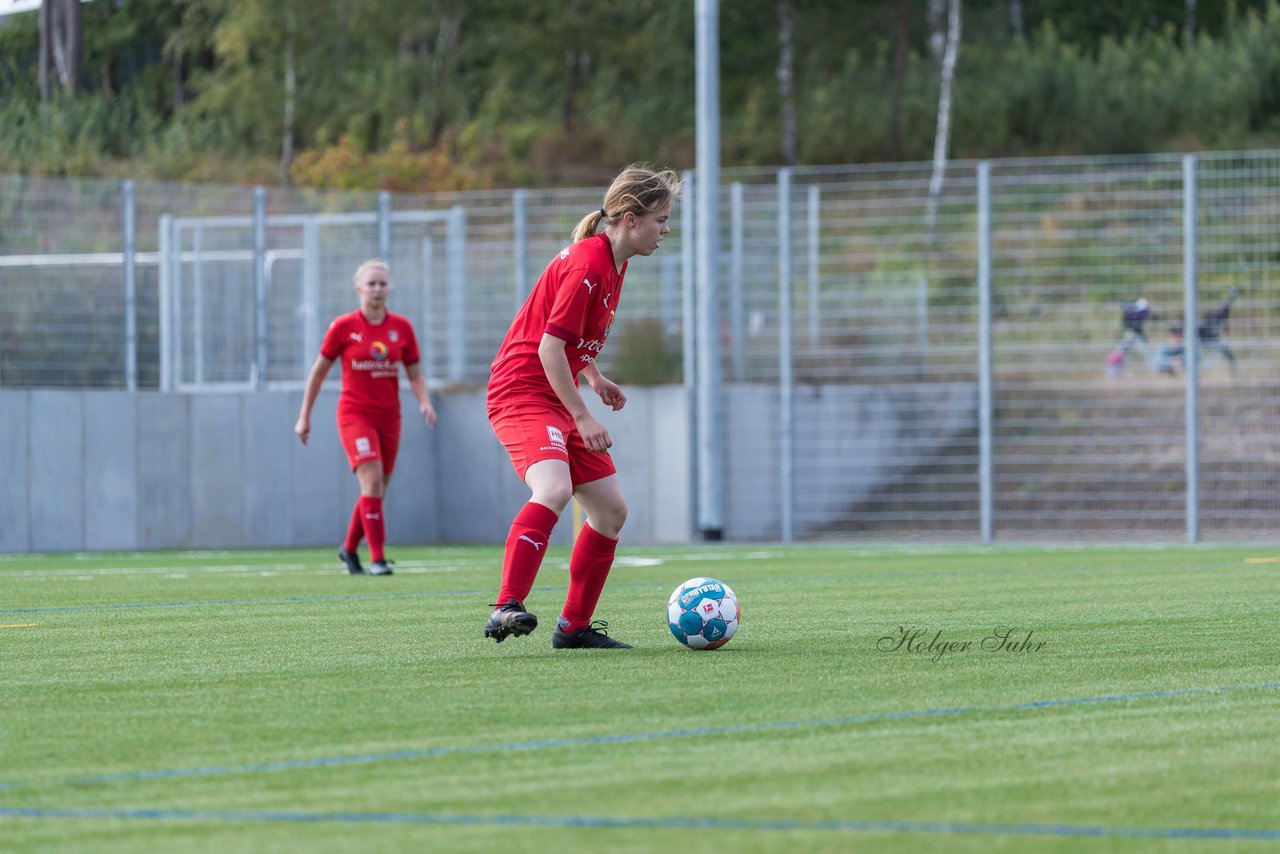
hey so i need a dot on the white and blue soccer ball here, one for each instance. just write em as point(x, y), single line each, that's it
point(703, 613)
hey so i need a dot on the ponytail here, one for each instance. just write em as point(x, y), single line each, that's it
point(638, 189)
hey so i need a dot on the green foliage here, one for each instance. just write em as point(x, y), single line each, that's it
point(642, 353)
point(402, 92)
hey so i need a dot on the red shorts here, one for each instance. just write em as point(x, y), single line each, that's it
point(533, 433)
point(366, 439)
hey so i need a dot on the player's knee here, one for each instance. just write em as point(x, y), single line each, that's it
point(554, 495)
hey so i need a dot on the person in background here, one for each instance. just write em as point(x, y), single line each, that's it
point(372, 343)
point(557, 446)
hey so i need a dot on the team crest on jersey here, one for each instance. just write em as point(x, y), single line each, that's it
point(394, 335)
point(564, 253)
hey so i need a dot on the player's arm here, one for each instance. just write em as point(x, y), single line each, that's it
point(418, 386)
point(609, 391)
point(556, 367)
point(319, 370)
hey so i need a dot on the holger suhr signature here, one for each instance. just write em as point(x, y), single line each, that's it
point(920, 641)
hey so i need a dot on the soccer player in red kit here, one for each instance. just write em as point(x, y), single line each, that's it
point(372, 343)
point(557, 447)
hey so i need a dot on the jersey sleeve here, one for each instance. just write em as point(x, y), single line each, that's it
point(569, 310)
point(331, 346)
point(410, 355)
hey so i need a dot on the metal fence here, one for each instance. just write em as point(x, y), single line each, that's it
point(1016, 410)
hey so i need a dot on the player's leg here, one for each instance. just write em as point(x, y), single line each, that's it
point(372, 491)
point(361, 443)
point(373, 477)
point(592, 558)
point(543, 464)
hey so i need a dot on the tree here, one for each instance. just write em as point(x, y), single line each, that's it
point(61, 46)
point(786, 75)
point(946, 76)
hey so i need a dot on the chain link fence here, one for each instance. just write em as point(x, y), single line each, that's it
point(883, 346)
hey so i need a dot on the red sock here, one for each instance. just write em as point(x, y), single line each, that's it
point(374, 531)
point(526, 546)
point(589, 566)
point(355, 530)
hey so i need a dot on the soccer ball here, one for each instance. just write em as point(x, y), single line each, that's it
point(703, 613)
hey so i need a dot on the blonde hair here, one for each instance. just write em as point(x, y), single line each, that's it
point(369, 265)
point(639, 189)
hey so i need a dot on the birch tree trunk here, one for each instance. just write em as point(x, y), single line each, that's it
point(61, 46)
point(947, 75)
point(1017, 21)
point(786, 77)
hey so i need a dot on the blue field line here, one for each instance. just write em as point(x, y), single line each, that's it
point(626, 738)
point(647, 823)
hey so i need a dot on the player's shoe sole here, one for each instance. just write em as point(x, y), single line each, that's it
point(509, 619)
point(379, 567)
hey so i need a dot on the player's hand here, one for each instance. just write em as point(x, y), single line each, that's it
point(610, 393)
point(593, 434)
point(429, 412)
point(303, 429)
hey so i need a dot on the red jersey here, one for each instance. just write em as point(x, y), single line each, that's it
point(371, 356)
point(575, 300)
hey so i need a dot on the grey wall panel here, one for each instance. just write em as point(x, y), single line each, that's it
point(164, 470)
point(217, 472)
point(110, 480)
point(15, 504)
point(479, 491)
point(411, 500)
point(57, 464)
point(668, 461)
point(266, 426)
point(320, 478)
point(629, 429)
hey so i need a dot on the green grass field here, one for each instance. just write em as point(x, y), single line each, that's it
point(262, 700)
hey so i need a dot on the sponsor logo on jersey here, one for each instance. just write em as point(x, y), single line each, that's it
point(536, 545)
point(555, 436)
point(357, 337)
point(590, 287)
point(378, 350)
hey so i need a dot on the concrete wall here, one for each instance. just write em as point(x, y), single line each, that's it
point(103, 470)
point(99, 470)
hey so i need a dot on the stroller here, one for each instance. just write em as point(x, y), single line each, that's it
point(1211, 330)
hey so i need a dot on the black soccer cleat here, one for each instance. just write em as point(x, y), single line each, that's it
point(592, 637)
point(352, 560)
point(379, 567)
point(509, 619)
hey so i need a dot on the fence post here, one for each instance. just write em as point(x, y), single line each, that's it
point(786, 431)
point(986, 480)
point(260, 285)
point(129, 212)
point(520, 213)
point(689, 329)
point(1191, 345)
point(457, 311)
point(166, 301)
point(737, 322)
point(384, 226)
point(815, 250)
